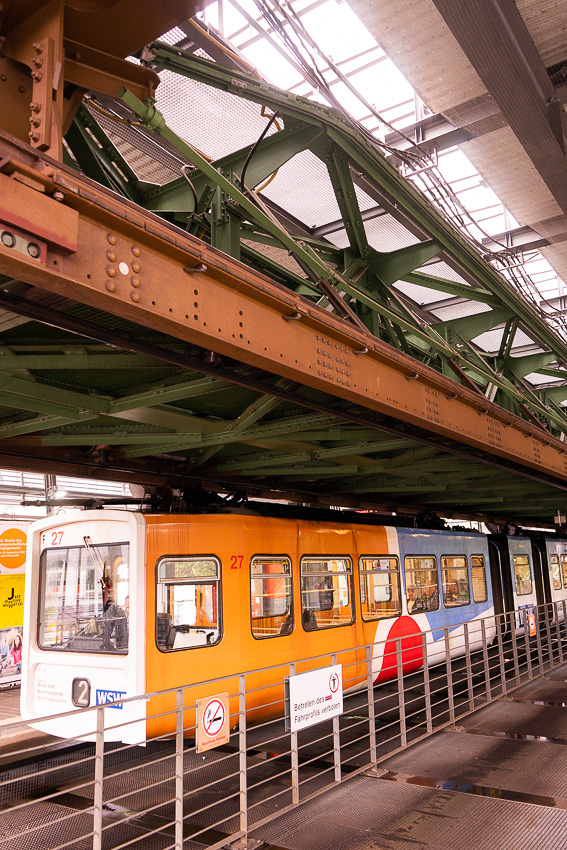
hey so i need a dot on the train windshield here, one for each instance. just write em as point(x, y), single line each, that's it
point(84, 598)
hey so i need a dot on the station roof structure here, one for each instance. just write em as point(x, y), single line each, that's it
point(247, 256)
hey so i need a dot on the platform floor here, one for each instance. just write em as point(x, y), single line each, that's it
point(496, 782)
point(13, 738)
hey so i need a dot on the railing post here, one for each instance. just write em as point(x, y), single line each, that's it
point(294, 757)
point(499, 624)
point(558, 631)
point(426, 683)
point(449, 674)
point(548, 632)
point(371, 708)
point(401, 696)
point(179, 771)
point(336, 736)
point(528, 649)
point(469, 666)
point(485, 658)
point(514, 640)
point(242, 754)
point(98, 779)
point(538, 640)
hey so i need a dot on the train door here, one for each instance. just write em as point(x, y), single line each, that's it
point(500, 574)
point(521, 570)
point(555, 571)
point(542, 567)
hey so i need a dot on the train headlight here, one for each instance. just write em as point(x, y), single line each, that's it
point(81, 693)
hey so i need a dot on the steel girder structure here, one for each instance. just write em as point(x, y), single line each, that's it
point(190, 329)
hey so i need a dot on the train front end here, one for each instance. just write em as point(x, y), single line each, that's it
point(84, 629)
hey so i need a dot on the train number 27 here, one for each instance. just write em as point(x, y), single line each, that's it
point(56, 538)
point(236, 562)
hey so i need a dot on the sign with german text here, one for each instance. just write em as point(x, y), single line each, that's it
point(313, 697)
point(213, 726)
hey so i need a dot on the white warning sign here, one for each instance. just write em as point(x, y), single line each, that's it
point(314, 697)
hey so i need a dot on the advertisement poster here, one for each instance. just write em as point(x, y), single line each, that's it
point(13, 540)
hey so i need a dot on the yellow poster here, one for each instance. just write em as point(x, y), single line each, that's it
point(12, 548)
point(11, 600)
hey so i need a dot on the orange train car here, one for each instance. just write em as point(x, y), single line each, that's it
point(121, 603)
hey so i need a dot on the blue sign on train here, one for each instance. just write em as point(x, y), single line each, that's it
point(104, 697)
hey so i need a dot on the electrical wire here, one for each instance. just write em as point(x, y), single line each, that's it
point(282, 19)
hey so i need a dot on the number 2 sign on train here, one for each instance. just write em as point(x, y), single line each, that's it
point(130, 602)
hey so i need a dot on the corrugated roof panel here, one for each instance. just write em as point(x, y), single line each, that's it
point(421, 294)
point(214, 121)
point(460, 310)
point(303, 187)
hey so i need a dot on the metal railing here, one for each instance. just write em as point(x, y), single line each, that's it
point(99, 794)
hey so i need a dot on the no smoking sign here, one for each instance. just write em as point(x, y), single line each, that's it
point(212, 722)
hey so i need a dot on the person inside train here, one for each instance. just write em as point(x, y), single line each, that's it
point(286, 627)
point(115, 623)
point(413, 600)
point(431, 597)
point(309, 620)
point(450, 594)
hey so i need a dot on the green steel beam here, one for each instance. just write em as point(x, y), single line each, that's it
point(395, 265)
point(458, 290)
point(273, 152)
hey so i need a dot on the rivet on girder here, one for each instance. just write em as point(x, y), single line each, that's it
point(110, 285)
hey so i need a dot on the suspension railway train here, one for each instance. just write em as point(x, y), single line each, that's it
point(120, 603)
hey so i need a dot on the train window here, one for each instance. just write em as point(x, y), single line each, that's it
point(422, 584)
point(187, 600)
point(555, 571)
point(522, 574)
point(83, 598)
point(478, 571)
point(563, 560)
point(270, 596)
point(379, 587)
point(455, 577)
point(326, 592)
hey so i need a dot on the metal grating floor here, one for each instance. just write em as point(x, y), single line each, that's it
point(373, 814)
point(519, 719)
point(493, 763)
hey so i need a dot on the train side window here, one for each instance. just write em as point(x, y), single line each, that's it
point(455, 578)
point(326, 592)
point(188, 602)
point(270, 596)
point(555, 571)
point(522, 574)
point(379, 587)
point(422, 584)
point(478, 571)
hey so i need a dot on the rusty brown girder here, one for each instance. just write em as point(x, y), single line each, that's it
point(52, 51)
point(100, 250)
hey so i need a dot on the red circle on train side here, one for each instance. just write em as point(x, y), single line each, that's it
point(408, 630)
